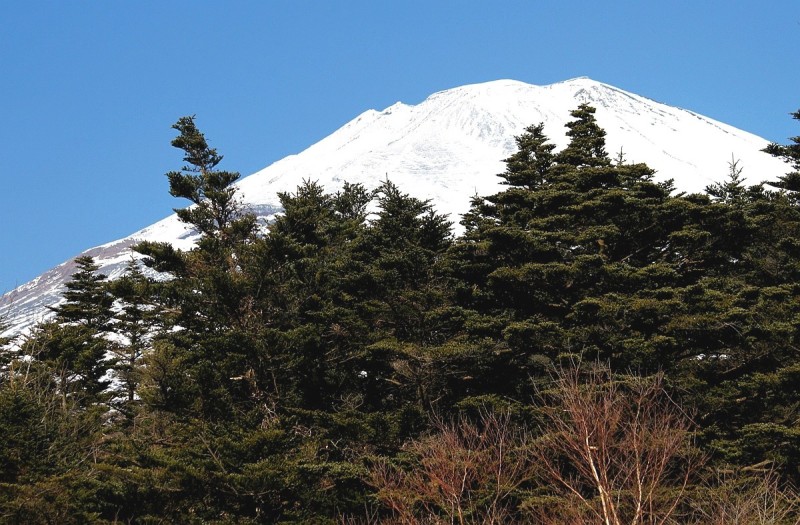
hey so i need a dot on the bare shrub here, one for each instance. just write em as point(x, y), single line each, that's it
point(465, 472)
point(748, 500)
point(612, 451)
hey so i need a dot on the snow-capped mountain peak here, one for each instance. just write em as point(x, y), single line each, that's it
point(450, 147)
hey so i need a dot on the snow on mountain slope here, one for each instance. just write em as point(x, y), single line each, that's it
point(451, 145)
point(449, 148)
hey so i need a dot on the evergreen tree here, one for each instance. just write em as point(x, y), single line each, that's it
point(75, 343)
point(299, 264)
point(208, 296)
point(791, 154)
point(215, 205)
point(87, 300)
point(733, 190)
point(538, 252)
point(224, 227)
point(399, 291)
point(135, 324)
point(587, 140)
point(528, 167)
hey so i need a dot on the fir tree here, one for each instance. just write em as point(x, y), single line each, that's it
point(528, 167)
point(75, 343)
point(209, 295)
point(136, 321)
point(791, 154)
point(731, 191)
point(215, 206)
point(538, 252)
point(87, 300)
point(587, 140)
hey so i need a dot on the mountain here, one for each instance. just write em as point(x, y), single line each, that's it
point(448, 148)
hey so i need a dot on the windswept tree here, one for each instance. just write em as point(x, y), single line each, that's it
point(216, 208)
point(208, 294)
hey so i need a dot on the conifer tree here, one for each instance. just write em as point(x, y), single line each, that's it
point(587, 140)
point(298, 266)
point(211, 192)
point(135, 322)
point(75, 343)
point(791, 154)
point(537, 253)
point(87, 300)
point(208, 296)
point(529, 166)
point(732, 190)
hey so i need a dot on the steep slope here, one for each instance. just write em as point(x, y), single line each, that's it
point(450, 147)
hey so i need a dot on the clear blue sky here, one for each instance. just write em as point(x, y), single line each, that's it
point(89, 89)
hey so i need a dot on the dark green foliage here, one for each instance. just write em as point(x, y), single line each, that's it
point(790, 154)
point(74, 345)
point(76, 355)
point(538, 252)
point(263, 374)
point(24, 435)
point(87, 301)
point(208, 189)
point(529, 166)
point(47, 440)
point(136, 321)
point(732, 191)
point(587, 145)
point(207, 294)
point(597, 261)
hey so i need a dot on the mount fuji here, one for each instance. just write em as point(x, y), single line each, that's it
point(449, 148)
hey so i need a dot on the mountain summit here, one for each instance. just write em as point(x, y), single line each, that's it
point(448, 148)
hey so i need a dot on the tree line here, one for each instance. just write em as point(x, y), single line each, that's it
point(595, 348)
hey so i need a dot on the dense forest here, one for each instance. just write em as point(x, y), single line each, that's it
point(595, 348)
